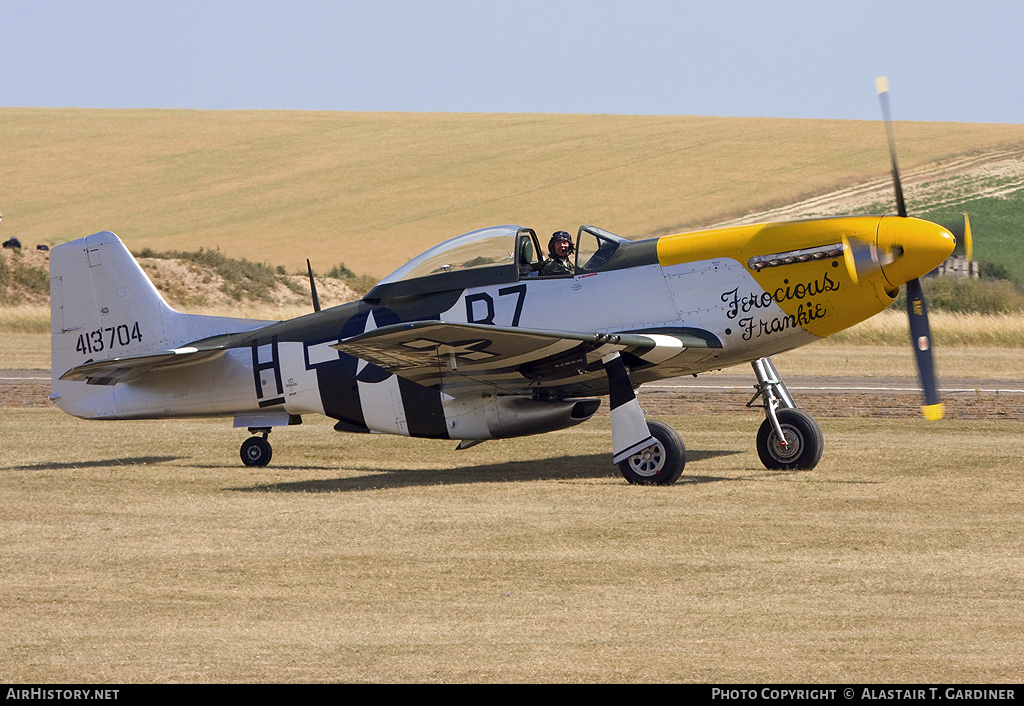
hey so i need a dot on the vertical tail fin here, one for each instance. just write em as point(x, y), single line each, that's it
point(102, 304)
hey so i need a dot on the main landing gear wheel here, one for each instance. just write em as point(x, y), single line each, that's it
point(659, 464)
point(803, 446)
point(256, 451)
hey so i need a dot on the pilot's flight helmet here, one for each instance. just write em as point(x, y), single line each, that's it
point(560, 235)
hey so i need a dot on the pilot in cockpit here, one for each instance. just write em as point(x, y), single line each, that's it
point(560, 247)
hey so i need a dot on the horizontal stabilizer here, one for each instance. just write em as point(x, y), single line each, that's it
point(115, 370)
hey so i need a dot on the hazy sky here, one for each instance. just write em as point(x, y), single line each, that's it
point(958, 60)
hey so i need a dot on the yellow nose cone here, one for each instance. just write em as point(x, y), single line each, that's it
point(916, 247)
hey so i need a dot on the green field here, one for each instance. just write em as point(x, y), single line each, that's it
point(373, 189)
point(998, 227)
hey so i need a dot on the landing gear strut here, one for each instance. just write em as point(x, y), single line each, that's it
point(789, 438)
point(647, 453)
point(256, 450)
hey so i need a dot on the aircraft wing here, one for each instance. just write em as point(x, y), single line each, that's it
point(115, 370)
point(459, 358)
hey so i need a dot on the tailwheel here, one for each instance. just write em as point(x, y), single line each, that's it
point(659, 464)
point(803, 442)
point(256, 451)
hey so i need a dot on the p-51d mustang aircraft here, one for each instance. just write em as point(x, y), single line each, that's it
point(473, 341)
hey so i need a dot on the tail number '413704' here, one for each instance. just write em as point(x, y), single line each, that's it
point(109, 338)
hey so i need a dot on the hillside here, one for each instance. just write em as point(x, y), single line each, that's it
point(372, 190)
point(186, 285)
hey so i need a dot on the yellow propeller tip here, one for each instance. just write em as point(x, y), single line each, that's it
point(882, 84)
point(968, 240)
point(933, 411)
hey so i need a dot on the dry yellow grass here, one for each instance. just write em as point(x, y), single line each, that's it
point(25, 318)
point(143, 552)
point(948, 329)
point(374, 189)
point(25, 350)
point(971, 346)
point(838, 359)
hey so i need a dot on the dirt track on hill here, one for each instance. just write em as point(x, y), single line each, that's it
point(994, 173)
point(728, 394)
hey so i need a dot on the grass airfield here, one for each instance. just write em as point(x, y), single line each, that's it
point(145, 552)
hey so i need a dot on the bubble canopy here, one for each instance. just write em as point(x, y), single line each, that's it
point(486, 247)
point(501, 254)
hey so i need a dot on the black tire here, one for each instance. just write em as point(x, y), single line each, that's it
point(660, 464)
point(256, 452)
point(804, 442)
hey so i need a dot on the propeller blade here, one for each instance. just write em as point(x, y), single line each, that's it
point(861, 257)
point(968, 241)
point(917, 310)
point(921, 338)
point(882, 86)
